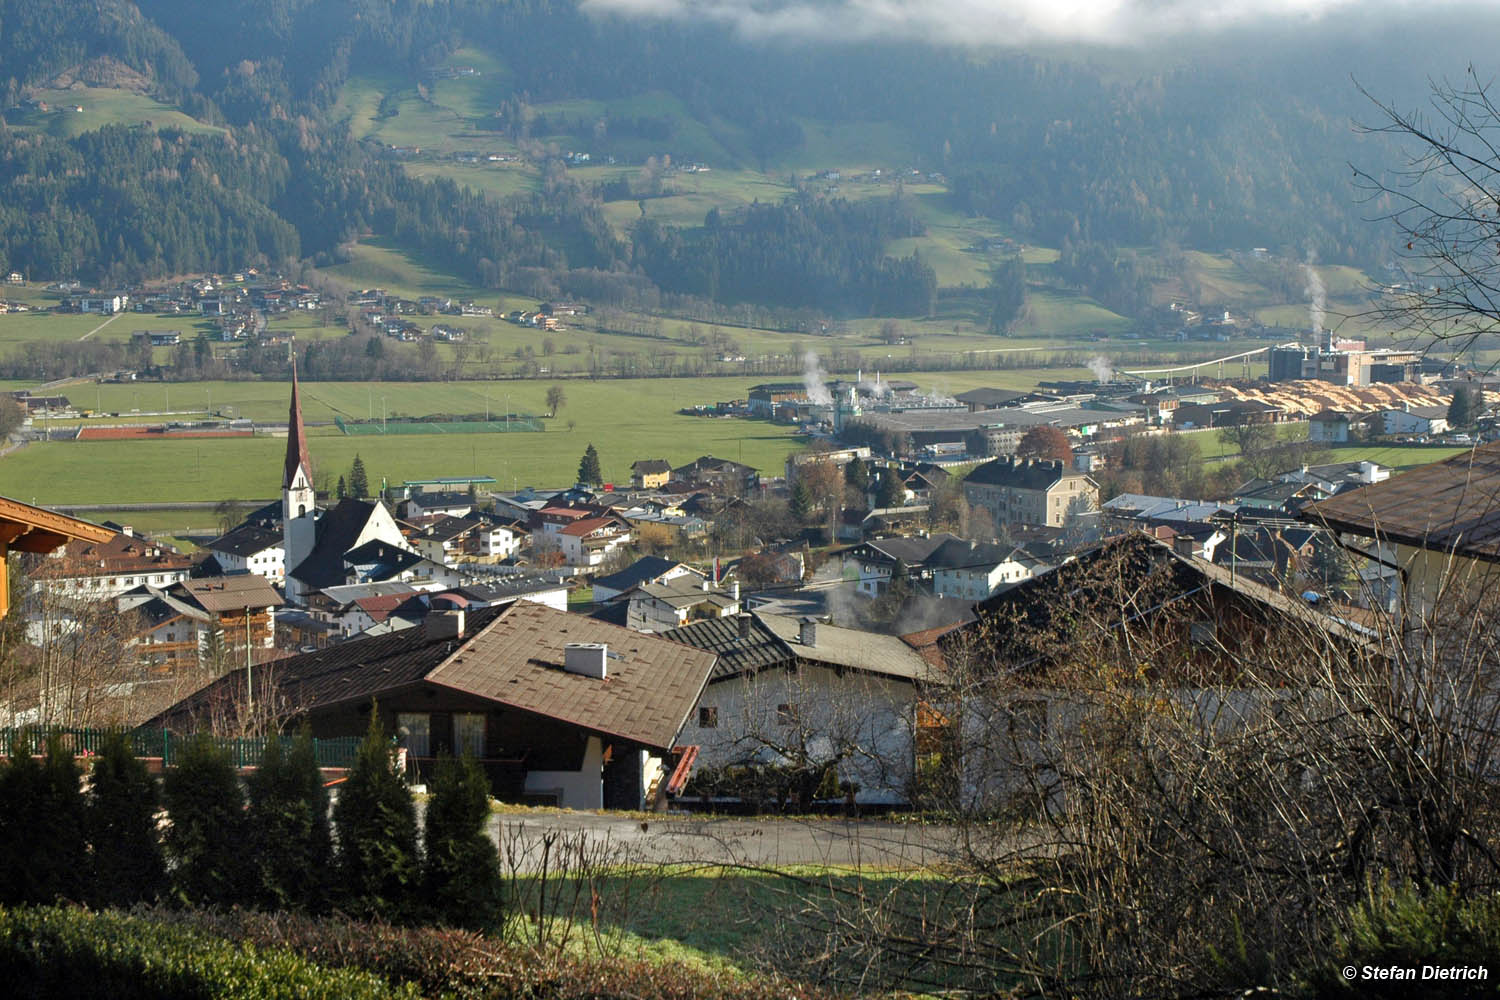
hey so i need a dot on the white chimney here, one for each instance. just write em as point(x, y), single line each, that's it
point(734, 591)
point(1367, 472)
point(445, 625)
point(590, 659)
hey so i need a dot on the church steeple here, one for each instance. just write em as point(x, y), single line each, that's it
point(296, 439)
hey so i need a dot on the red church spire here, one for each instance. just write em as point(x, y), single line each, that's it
point(296, 438)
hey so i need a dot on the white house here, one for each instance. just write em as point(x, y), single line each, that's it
point(1415, 420)
point(972, 571)
point(656, 607)
point(590, 540)
point(251, 549)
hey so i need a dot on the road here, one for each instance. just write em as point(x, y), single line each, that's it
point(769, 842)
point(101, 326)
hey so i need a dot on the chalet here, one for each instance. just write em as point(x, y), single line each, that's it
point(93, 570)
point(1330, 426)
point(972, 570)
point(379, 561)
point(556, 708)
point(801, 694)
point(443, 538)
point(1411, 419)
point(251, 549)
point(588, 541)
point(719, 474)
point(451, 504)
point(871, 563)
point(647, 569)
point(176, 622)
point(157, 338)
point(24, 528)
point(1030, 491)
point(656, 607)
point(650, 473)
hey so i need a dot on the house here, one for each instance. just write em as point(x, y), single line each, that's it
point(764, 399)
point(835, 704)
point(1411, 419)
point(556, 708)
point(973, 570)
point(176, 623)
point(1030, 491)
point(1437, 526)
point(656, 607)
point(650, 473)
point(1330, 426)
point(84, 568)
point(447, 539)
point(718, 474)
point(589, 541)
point(871, 563)
point(647, 569)
point(379, 561)
point(424, 504)
point(251, 549)
point(24, 528)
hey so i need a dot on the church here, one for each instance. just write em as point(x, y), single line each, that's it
point(317, 543)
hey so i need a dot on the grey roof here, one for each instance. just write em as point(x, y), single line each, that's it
point(913, 550)
point(989, 398)
point(382, 558)
point(760, 649)
point(246, 540)
point(846, 647)
point(337, 531)
point(506, 587)
point(433, 501)
point(1021, 474)
point(685, 593)
point(956, 553)
point(350, 592)
point(651, 466)
point(637, 573)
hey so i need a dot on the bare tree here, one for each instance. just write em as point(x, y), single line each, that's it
point(1444, 205)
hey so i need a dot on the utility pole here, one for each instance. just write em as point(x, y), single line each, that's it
point(249, 679)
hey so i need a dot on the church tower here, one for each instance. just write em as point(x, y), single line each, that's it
point(298, 510)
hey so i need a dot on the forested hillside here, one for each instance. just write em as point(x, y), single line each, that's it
point(1135, 151)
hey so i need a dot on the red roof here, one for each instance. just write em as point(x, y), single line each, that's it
point(588, 526)
point(296, 439)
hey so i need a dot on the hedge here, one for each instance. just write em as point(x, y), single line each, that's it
point(71, 952)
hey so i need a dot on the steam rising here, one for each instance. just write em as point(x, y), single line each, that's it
point(983, 22)
point(1102, 369)
point(1317, 297)
point(815, 379)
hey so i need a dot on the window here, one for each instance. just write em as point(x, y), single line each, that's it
point(786, 715)
point(708, 717)
point(415, 732)
point(468, 734)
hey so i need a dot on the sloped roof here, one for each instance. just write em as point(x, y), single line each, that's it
point(1447, 506)
point(651, 467)
point(989, 398)
point(246, 540)
point(639, 572)
point(511, 656)
point(913, 550)
point(846, 647)
point(337, 531)
point(296, 437)
point(760, 649)
point(230, 593)
point(1020, 474)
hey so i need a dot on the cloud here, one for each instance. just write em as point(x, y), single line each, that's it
point(995, 22)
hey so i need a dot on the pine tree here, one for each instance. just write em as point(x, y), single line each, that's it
point(206, 840)
point(1461, 409)
point(343, 489)
point(377, 833)
point(62, 853)
point(289, 840)
point(890, 492)
point(462, 873)
point(127, 863)
point(359, 482)
point(801, 503)
point(857, 475)
point(21, 789)
point(588, 467)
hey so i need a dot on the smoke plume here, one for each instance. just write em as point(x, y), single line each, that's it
point(1102, 369)
point(1317, 296)
point(815, 379)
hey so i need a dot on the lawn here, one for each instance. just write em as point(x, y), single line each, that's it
point(78, 110)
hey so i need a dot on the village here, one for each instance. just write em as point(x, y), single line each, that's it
point(716, 636)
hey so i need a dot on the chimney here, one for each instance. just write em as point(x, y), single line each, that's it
point(734, 591)
point(445, 625)
point(588, 659)
point(744, 625)
point(808, 634)
point(707, 584)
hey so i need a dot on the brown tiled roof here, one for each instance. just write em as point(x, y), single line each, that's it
point(231, 593)
point(512, 657)
point(1448, 506)
point(652, 684)
point(122, 554)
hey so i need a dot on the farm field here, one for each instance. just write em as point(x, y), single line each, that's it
point(78, 110)
point(624, 419)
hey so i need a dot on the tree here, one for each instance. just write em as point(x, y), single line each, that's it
point(359, 482)
point(127, 865)
point(857, 475)
point(11, 417)
point(342, 490)
point(1007, 295)
point(378, 868)
point(289, 840)
point(555, 399)
point(229, 513)
point(800, 505)
point(462, 873)
point(213, 653)
point(890, 491)
point(1441, 203)
point(206, 840)
point(1046, 441)
point(588, 467)
point(1462, 410)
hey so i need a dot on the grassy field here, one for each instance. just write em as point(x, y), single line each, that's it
point(82, 109)
point(625, 420)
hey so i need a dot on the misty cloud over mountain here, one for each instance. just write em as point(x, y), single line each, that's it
point(1008, 22)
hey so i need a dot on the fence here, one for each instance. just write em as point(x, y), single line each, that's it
point(337, 751)
point(515, 425)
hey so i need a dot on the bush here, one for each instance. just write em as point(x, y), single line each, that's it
point(462, 873)
point(376, 821)
point(43, 843)
point(1408, 928)
point(124, 799)
point(67, 952)
point(290, 843)
point(207, 835)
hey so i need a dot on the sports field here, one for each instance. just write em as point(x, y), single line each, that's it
point(624, 419)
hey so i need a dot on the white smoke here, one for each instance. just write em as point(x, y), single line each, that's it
point(992, 22)
point(874, 388)
point(1317, 296)
point(1102, 369)
point(815, 379)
